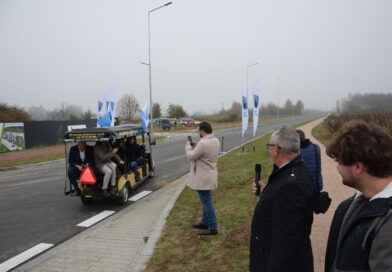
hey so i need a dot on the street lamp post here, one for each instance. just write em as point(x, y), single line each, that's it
point(277, 87)
point(247, 72)
point(149, 61)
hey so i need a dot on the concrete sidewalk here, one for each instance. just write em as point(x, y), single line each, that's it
point(123, 242)
point(337, 191)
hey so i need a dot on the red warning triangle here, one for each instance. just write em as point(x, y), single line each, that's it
point(87, 176)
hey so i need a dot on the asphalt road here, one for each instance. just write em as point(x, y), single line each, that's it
point(33, 208)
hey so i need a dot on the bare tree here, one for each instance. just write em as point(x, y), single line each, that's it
point(38, 113)
point(87, 115)
point(66, 112)
point(128, 108)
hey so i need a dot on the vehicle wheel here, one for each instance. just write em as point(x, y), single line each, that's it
point(124, 195)
point(86, 200)
point(152, 174)
point(166, 128)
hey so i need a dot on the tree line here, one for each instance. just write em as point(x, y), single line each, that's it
point(128, 109)
point(364, 103)
point(38, 113)
point(234, 113)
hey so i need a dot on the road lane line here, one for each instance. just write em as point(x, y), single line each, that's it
point(89, 222)
point(139, 195)
point(175, 158)
point(24, 256)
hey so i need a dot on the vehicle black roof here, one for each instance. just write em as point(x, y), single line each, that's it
point(103, 133)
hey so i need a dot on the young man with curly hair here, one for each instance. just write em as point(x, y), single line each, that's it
point(360, 235)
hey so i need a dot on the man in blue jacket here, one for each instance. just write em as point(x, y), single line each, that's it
point(310, 153)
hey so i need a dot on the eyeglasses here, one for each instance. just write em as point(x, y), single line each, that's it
point(271, 145)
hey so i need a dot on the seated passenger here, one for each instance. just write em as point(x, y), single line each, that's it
point(121, 148)
point(104, 153)
point(135, 154)
point(80, 156)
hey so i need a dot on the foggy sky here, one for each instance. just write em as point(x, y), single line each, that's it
point(72, 50)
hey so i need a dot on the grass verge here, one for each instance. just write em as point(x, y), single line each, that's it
point(322, 134)
point(33, 160)
point(159, 138)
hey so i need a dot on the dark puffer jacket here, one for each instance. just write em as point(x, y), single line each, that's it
point(282, 221)
point(363, 243)
point(310, 153)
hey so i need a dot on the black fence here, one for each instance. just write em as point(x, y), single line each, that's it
point(38, 133)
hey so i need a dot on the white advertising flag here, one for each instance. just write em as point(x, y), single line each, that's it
point(245, 112)
point(144, 117)
point(256, 105)
point(106, 108)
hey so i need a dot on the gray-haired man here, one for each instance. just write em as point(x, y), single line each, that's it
point(283, 216)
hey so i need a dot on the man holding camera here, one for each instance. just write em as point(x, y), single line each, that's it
point(203, 176)
point(283, 216)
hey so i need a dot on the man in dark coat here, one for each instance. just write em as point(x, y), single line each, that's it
point(80, 155)
point(135, 154)
point(360, 236)
point(283, 216)
point(311, 156)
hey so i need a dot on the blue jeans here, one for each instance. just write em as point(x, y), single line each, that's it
point(209, 217)
point(73, 175)
point(133, 165)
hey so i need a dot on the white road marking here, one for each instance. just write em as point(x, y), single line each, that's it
point(175, 158)
point(24, 256)
point(139, 195)
point(89, 222)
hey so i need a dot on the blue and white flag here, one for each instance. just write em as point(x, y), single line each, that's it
point(245, 111)
point(106, 118)
point(256, 105)
point(145, 117)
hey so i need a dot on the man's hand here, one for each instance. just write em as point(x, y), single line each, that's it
point(254, 188)
point(193, 144)
point(122, 162)
point(80, 168)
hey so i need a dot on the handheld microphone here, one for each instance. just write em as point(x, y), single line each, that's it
point(257, 178)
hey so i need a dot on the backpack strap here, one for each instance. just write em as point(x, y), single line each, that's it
point(317, 167)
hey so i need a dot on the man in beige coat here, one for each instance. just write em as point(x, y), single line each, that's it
point(203, 176)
